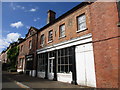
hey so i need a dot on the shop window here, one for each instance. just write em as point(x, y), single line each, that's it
point(41, 62)
point(64, 60)
point(29, 63)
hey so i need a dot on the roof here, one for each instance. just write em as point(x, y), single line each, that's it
point(65, 14)
point(30, 29)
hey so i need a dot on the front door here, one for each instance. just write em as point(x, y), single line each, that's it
point(50, 69)
point(50, 65)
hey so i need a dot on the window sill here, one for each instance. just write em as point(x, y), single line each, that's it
point(50, 41)
point(118, 24)
point(62, 37)
point(81, 30)
point(42, 45)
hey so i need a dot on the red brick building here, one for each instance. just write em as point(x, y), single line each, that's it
point(27, 53)
point(79, 47)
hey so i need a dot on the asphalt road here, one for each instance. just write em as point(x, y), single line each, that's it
point(7, 83)
point(25, 82)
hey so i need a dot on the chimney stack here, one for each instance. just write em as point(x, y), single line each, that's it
point(51, 16)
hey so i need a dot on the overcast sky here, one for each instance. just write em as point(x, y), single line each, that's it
point(17, 17)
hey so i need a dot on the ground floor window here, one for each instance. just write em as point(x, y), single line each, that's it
point(29, 63)
point(65, 60)
point(20, 63)
point(41, 62)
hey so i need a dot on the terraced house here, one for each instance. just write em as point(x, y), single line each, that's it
point(27, 53)
point(79, 47)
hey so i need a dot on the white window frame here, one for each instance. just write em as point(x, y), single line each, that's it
point(81, 23)
point(61, 60)
point(30, 44)
point(42, 40)
point(20, 62)
point(21, 48)
point(50, 36)
point(62, 31)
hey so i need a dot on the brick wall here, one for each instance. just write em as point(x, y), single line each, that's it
point(26, 51)
point(70, 28)
point(104, 19)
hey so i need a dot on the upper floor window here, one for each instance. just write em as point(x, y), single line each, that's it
point(81, 20)
point(62, 30)
point(21, 48)
point(42, 39)
point(30, 44)
point(50, 35)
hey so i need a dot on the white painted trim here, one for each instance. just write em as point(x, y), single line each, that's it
point(64, 77)
point(19, 70)
point(75, 41)
point(33, 73)
point(41, 74)
point(85, 67)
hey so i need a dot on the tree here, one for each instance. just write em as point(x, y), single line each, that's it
point(12, 56)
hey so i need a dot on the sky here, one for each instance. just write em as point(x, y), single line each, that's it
point(17, 17)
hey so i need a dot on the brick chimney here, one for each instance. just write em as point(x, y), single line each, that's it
point(51, 16)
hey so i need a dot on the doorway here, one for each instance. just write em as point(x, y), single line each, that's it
point(85, 67)
point(50, 65)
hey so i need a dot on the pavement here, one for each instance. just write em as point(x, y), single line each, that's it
point(30, 83)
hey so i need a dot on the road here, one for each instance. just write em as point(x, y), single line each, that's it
point(7, 82)
point(25, 82)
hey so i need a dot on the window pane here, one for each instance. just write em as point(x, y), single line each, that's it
point(42, 39)
point(66, 68)
point(66, 60)
point(61, 52)
point(58, 53)
point(62, 68)
point(50, 35)
point(82, 26)
point(70, 68)
point(62, 60)
point(70, 59)
point(58, 60)
point(58, 68)
point(81, 22)
point(62, 30)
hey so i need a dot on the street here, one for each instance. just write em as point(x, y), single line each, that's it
point(7, 82)
point(22, 81)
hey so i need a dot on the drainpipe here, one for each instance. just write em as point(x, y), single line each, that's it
point(36, 54)
point(118, 7)
point(74, 77)
point(46, 66)
point(55, 66)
